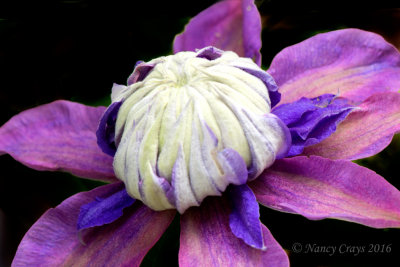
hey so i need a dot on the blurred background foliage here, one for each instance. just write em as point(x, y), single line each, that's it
point(76, 50)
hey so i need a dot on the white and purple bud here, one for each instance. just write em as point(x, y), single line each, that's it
point(190, 124)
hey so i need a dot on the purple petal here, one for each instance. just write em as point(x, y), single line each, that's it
point(58, 136)
point(319, 188)
point(142, 69)
point(312, 120)
point(207, 240)
point(365, 132)
point(230, 25)
point(104, 209)
point(53, 240)
point(244, 218)
point(106, 131)
point(352, 63)
point(209, 53)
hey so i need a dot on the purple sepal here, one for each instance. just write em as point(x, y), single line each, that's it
point(269, 82)
point(104, 210)
point(312, 120)
point(210, 53)
point(228, 25)
point(142, 69)
point(244, 217)
point(106, 131)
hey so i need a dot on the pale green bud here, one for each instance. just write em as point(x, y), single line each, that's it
point(193, 126)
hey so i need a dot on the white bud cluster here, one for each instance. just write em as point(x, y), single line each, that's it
point(192, 127)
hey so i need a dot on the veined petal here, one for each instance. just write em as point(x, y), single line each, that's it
point(231, 25)
point(352, 63)
point(319, 188)
point(207, 240)
point(369, 129)
point(58, 136)
point(53, 240)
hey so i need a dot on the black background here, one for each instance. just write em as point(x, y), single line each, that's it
point(76, 50)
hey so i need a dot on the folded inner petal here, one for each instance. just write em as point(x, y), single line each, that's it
point(140, 72)
point(269, 82)
point(319, 188)
point(104, 209)
point(244, 218)
point(312, 120)
point(106, 130)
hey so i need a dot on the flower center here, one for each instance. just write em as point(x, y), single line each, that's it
point(191, 127)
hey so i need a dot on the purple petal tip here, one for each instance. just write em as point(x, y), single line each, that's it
point(104, 210)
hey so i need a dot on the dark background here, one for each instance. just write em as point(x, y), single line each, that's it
point(76, 50)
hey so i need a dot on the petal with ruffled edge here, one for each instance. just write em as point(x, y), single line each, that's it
point(319, 188)
point(365, 132)
point(312, 120)
point(207, 240)
point(352, 63)
point(58, 136)
point(230, 25)
point(53, 240)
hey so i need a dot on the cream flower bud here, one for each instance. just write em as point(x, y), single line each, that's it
point(192, 126)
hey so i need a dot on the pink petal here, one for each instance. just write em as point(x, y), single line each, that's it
point(53, 240)
point(58, 136)
point(352, 63)
point(365, 131)
point(319, 188)
point(233, 25)
point(207, 240)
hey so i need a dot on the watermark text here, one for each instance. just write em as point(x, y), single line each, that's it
point(349, 249)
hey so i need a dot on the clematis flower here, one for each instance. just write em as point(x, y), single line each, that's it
point(208, 134)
